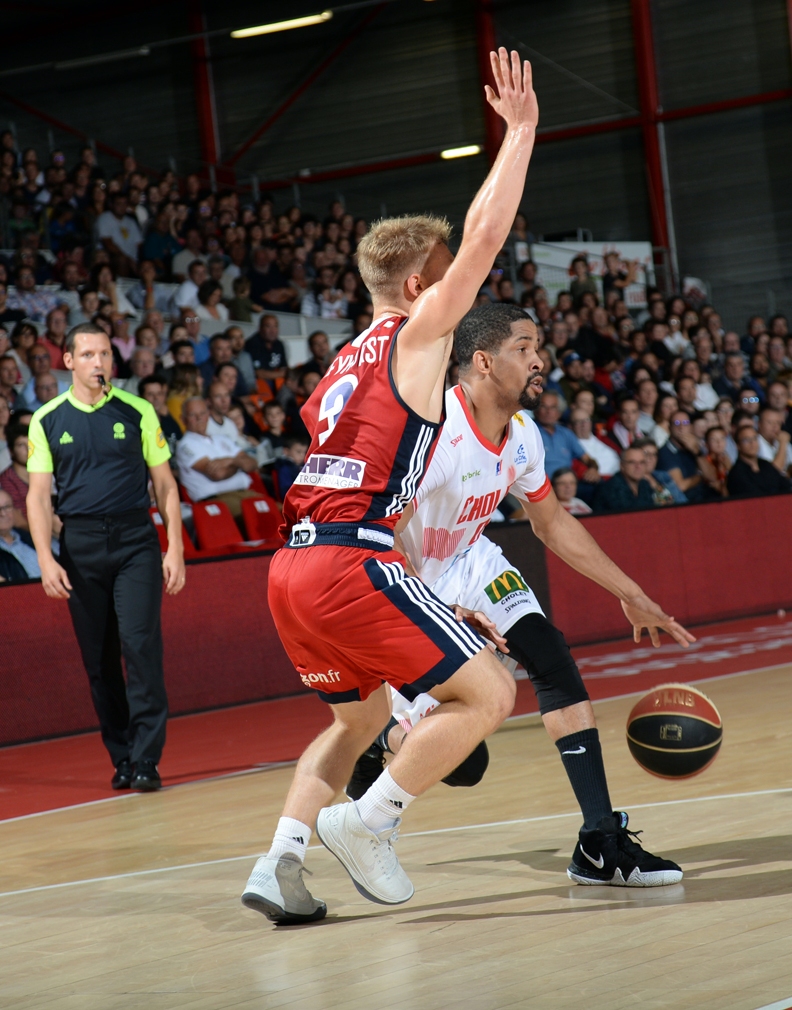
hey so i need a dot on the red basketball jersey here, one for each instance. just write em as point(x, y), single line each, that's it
point(369, 450)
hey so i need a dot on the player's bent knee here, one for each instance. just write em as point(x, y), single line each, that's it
point(471, 771)
point(499, 695)
point(483, 684)
point(543, 651)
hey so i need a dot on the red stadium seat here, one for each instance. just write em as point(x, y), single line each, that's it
point(159, 526)
point(256, 483)
point(262, 519)
point(215, 526)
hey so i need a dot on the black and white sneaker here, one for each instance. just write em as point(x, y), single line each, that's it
point(609, 855)
point(367, 770)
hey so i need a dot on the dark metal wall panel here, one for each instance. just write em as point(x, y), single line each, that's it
point(409, 83)
point(144, 102)
point(732, 202)
point(596, 182)
point(592, 40)
point(710, 50)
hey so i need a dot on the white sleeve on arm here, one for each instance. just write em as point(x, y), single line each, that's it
point(533, 484)
point(438, 473)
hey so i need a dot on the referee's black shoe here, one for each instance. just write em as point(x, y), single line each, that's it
point(146, 777)
point(123, 775)
point(610, 854)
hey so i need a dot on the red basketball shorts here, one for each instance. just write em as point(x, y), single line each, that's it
point(351, 618)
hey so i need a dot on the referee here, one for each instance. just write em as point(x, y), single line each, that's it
point(101, 444)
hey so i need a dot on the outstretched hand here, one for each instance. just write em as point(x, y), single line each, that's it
point(642, 613)
point(479, 622)
point(513, 96)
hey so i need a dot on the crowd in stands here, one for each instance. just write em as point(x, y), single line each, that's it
point(641, 409)
point(660, 408)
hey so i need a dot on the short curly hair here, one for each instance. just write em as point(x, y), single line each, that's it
point(485, 328)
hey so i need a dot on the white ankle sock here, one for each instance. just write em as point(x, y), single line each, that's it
point(290, 836)
point(383, 803)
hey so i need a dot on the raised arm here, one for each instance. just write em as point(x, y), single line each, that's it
point(489, 219)
point(572, 542)
point(425, 342)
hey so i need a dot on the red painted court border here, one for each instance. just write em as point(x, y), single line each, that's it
point(68, 771)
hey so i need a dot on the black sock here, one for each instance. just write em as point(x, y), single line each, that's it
point(382, 739)
point(582, 757)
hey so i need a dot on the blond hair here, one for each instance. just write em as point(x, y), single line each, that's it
point(396, 247)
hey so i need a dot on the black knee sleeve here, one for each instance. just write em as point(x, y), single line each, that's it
point(543, 651)
point(472, 769)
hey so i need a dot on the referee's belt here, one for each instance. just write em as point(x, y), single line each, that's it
point(133, 517)
point(369, 536)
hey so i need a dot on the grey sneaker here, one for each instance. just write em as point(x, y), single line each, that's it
point(277, 890)
point(368, 858)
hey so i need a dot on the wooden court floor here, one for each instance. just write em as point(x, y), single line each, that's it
point(135, 902)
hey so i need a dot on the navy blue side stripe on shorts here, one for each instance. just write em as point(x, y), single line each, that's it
point(415, 600)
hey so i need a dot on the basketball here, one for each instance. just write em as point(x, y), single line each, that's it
point(674, 731)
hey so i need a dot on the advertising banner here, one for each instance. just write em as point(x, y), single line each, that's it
point(554, 266)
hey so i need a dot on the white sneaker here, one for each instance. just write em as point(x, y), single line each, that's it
point(277, 890)
point(368, 858)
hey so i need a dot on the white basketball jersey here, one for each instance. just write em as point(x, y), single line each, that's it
point(466, 479)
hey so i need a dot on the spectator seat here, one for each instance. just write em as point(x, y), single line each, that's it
point(159, 526)
point(256, 483)
point(215, 526)
point(262, 519)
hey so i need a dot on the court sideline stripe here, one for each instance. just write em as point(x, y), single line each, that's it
point(411, 834)
point(271, 765)
point(782, 1004)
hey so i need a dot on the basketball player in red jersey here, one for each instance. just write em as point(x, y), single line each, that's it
point(349, 616)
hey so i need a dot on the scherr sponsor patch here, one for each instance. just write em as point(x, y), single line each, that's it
point(331, 471)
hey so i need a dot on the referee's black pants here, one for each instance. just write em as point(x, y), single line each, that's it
point(114, 564)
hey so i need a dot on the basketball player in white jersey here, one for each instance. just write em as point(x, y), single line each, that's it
point(486, 448)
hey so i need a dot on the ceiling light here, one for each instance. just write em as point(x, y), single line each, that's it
point(282, 26)
point(460, 152)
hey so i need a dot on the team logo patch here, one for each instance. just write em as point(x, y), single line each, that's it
point(498, 467)
point(331, 471)
point(65, 439)
point(506, 583)
point(519, 456)
point(519, 420)
point(118, 430)
point(160, 439)
point(30, 448)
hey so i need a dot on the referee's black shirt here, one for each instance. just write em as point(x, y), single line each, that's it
point(99, 454)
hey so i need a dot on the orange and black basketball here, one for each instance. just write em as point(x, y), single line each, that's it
point(674, 731)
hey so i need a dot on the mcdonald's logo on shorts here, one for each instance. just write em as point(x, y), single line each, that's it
point(507, 583)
